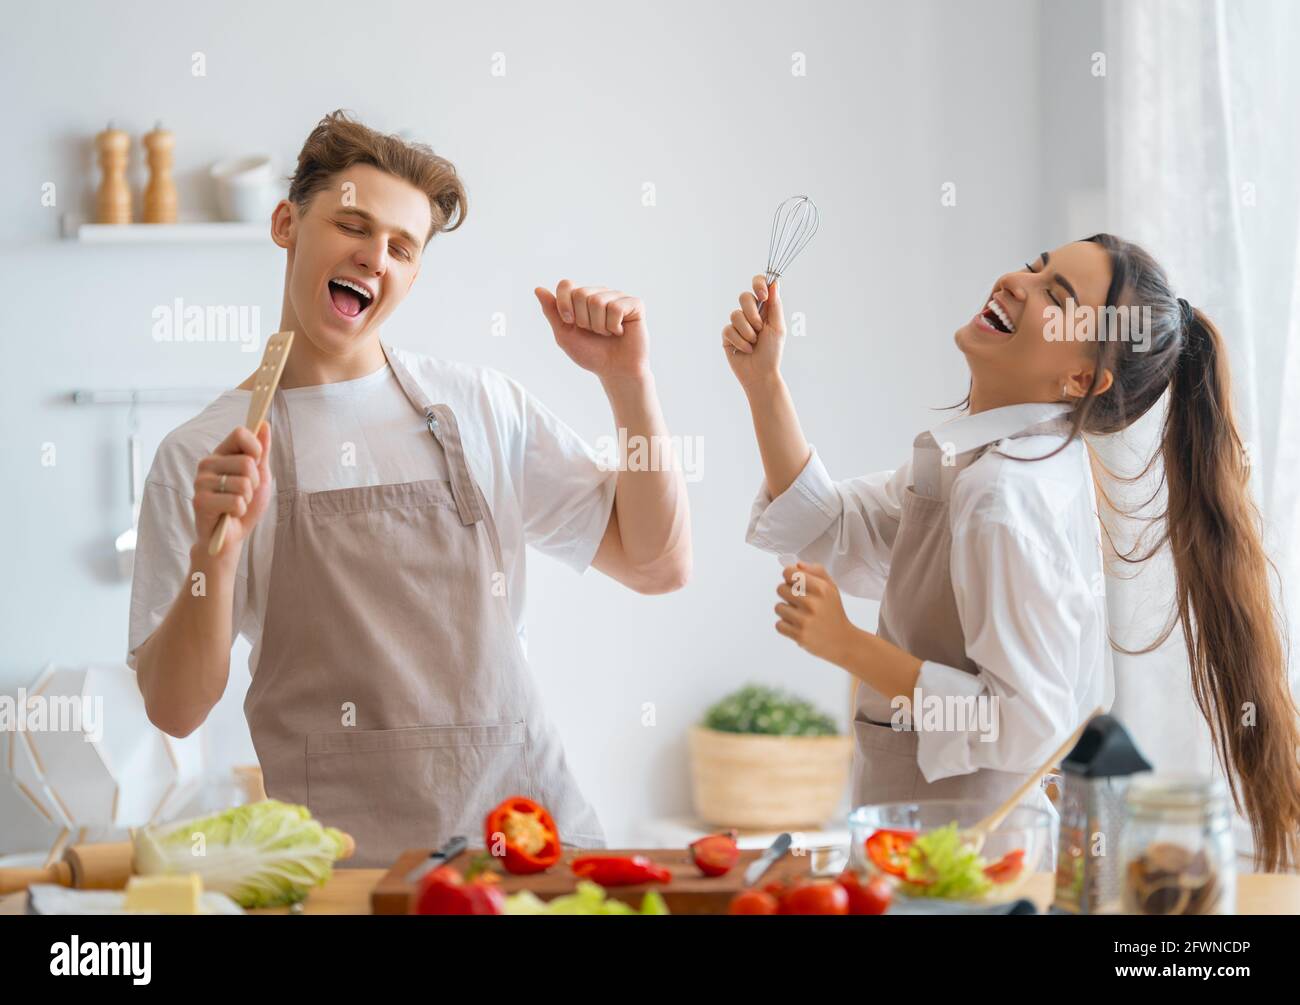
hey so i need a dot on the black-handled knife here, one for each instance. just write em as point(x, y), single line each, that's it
point(440, 857)
point(760, 865)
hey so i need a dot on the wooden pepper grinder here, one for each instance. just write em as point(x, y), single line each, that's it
point(113, 200)
point(160, 194)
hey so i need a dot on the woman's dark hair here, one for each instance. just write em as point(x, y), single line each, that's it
point(1234, 634)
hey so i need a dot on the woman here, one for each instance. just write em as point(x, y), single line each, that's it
point(985, 549)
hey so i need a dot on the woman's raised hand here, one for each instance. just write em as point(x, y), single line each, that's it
point(753, 341)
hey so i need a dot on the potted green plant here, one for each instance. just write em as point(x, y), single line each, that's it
point(763, 759)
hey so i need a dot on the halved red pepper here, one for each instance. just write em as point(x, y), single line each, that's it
point(619, 870)
point(523, 836)
point(889, 851)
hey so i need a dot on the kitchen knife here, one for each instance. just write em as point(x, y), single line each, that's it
point(436, 858)
point(775, 851)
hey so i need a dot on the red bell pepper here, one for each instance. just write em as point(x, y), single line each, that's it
point(444, 891)
point(888, 851)
point(523, 836)
point(619, 870)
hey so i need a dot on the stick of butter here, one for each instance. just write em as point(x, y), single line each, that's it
point(177, 894)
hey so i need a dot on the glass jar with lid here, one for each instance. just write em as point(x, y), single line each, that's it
point(1177, 848)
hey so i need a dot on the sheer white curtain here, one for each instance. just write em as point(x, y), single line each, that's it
point(1203, 114)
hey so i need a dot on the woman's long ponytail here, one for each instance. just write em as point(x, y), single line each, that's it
point(1230, 624)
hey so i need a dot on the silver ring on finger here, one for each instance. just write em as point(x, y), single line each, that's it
point(221, 485)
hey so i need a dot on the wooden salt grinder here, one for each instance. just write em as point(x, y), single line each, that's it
point(113, 200)
point(160, 194)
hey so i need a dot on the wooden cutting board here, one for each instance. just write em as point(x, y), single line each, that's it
point(688, 893)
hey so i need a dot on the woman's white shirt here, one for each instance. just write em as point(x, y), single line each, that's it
point(1026, 565)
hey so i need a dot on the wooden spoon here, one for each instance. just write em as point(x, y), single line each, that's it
point(976, 835)
point(265, 381)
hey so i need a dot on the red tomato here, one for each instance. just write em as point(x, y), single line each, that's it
point(817, 897)
point(873, 898)
point(1007, 868)
point(753, 902)
point(776, 888)
point(716, 854)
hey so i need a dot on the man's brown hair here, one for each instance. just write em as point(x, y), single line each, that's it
point(339, 141)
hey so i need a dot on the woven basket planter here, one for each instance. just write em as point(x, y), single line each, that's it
point(757, 782)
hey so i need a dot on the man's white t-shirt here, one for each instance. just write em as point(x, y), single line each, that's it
point(544, 484)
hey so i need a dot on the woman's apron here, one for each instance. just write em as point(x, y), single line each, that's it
point(392, 696)
point(918, 613)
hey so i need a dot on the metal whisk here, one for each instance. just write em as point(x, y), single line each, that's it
point(793, 227)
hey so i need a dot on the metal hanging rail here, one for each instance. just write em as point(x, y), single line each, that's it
point(149, 396)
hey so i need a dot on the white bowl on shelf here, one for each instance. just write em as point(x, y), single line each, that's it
point(245, 188)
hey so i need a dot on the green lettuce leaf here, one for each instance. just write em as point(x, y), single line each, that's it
point(587, 898)
point(263, 854)
point(951, 867)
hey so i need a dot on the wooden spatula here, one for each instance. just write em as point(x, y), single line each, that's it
point(264, 385)
point(975, 835)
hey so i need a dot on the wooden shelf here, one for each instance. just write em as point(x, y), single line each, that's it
point(187, 231)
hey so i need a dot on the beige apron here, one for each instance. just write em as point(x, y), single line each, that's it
point(392, 696)
point(919, 615)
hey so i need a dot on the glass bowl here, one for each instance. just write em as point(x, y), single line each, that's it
point(1026, 828)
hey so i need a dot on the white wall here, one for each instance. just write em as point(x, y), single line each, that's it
point(597, 99)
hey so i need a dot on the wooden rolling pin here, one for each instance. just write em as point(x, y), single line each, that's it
point(84, 866)
point(94, 867)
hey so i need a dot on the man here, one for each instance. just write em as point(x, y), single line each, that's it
point(374, 554)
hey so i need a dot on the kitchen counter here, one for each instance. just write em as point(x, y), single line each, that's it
point(348, 892)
